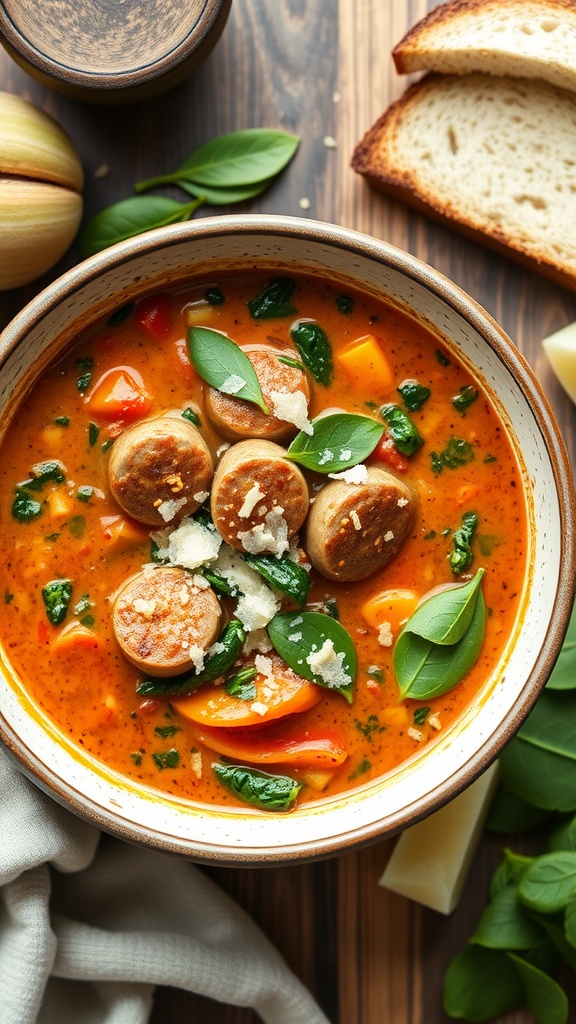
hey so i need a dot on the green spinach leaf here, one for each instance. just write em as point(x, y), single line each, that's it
point(564, 672)
point(268, 792)
point(414, 394)
point(464, 399)
point(56, 596)
point(461, 557)
point(318, 648)
point(232, 637)
point(481, 984)
point(241, 685)
point(338, 442)
point(403, 430)
point(282, 573)
point(540, 762)
point(314, 347)
point(223, 365)
point(274, 301)
point(457, 452)
point(548, 884)
point(544, 997)
point(506, 924)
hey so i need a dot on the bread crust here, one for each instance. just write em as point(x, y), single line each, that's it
point(373, 161)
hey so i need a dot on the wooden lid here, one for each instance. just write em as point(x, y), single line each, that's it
point(108, 50)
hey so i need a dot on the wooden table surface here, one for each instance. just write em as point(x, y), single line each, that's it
point(319, 68)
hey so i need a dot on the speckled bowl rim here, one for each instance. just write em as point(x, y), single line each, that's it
point(211, 18)
point(462, 304)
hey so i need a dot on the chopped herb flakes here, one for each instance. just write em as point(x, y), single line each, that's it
point(360, 769)
point(164, 731)
point(461, 557)
point(215, 296)
point(331, 608)
point(192, 417)
point(85, 493)
point(44, 473)
point(414, 394)
point(456, 453)
point(441, 357)
point(369, 727)
point(430, 535)
point(137, 758)
point(93, 431)
point(344, 304)
point(465, 397)
point(88, 620)
point(56, 596)
point(107, 444)
point(25, 508)
point(85, 368)
point(420, 715)
point(8, 597)
point(166, 759)
point(62, 421)
point(77, 526)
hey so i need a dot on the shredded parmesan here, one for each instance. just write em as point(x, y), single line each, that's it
point(264, 667)
point(259, 708)
point(251, 499)
point(233, 384)
point(168, 509)
point(201, 496)
point(355, 475)
point(270, 536)
point(355, 519)
point(435, 722)
point(328, 664)
point(388, 536)
point(196, 655)
point(292, 407)
point(385, 634)
point(257, 640)
point(196, 763)
point(401, 502)
point(144, 608)
point(192, 544)
point(414, 734)
point(257, 604)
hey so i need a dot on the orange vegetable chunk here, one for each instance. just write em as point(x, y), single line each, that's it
point(119, 394)
point(286, 742)
point(392, 606)
point(366, 365)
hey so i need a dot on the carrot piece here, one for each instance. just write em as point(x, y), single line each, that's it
point(366, 365)
point(392, 606)
point(119, 394)
point(285, 742)
point(283, 695)
point(466, 493)
point(76, 637)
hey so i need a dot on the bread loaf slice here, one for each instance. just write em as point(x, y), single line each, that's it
point(520, 38)
point(495, 157)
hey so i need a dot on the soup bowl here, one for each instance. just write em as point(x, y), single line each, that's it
point(166, 258)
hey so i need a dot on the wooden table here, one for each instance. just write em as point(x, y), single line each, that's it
point(320, 68)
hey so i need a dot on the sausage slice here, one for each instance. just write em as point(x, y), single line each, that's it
point(355, 529)
point(237, 419)
point(160, 470)
point(259, 499)
point(164, 621)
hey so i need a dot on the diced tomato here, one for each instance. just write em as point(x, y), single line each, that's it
point(283, 742)
point(386, 451)
point(154, 315)
point(188, 372)
point(149, 706)
point(119, 395)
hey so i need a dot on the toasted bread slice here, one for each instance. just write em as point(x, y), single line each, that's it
point(495, 157)
point(520, 38)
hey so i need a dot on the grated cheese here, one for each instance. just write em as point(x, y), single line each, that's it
point(196, 763)
point(259, 708)
point(355, 475)
point(233, 384)
point(385, 634)
point(192, 544)
point(328, 664)
point(355, 519)
point(270, 536)
point(292, 407)
point(251, 499)
point(168, 509)
point(257, 604)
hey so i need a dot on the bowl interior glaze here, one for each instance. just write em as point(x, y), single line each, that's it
point(203, 249)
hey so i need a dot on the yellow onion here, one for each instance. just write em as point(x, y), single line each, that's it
point(41, 181)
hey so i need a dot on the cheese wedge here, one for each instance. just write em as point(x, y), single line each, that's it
point(561, 351)
point(431, 859)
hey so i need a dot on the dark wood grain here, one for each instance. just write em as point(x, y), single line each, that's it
point(319, 69)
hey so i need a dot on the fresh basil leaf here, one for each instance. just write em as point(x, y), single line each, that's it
point(564, 836)
point(570, 922)
point(274, 301)
point(564, 672)
point(268, 792)
point(510, 813)
point(240, 158)
point(283, 574)
point(338, 442)
point(548, 884)
point(312, 343)
point(481, 984)
point(56, 596)
point(425, 670)
point(232, 638)
point(131, 217)
point(241, 685)
point(414, 394)
point(544, 997)
point(403, 430)
point(506, 924)
point(540, 762)
point(223, 365)
point(461, 557)
point(553, 925)
point(216, 196)
point(445, 617)
point(317, 648)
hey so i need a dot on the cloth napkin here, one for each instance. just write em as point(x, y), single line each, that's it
point(89, 925)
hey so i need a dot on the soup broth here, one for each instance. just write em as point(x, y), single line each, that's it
point(75, 535)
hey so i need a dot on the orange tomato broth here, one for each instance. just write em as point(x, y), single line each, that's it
point(78, 676)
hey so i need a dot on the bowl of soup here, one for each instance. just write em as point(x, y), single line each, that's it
point(289, 539)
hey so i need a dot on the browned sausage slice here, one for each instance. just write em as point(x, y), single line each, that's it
point(160, 470)
point(164, 621)
point(355, 529)
point(237, 419)
point(259, 499)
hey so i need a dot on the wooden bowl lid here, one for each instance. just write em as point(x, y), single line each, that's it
point(108, 50)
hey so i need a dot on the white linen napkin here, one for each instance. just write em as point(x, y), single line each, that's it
point(89, 925)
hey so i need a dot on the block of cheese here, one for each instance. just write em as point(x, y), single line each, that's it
point(561, 351)
point(431, 859)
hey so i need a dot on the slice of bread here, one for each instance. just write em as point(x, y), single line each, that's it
point(520, 38)
point(496, 157)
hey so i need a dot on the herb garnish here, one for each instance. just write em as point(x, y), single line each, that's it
point(85, 367)
point(166, 759)
point(164, 731)
point(93, 431)
point(344, 304)
point(465, 397)
point(274, 301)
point(414, 394)
point(224, 365)
point(56, 596)
point(268, 792)
point(338, 442)
point(192, 417)
point(313, 345)
point(241, 685)
point(215, 296)
point(403, 430)
point(457, 452)
point(461, 557)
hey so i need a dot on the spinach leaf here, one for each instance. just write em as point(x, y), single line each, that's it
point(312, 343)
point(570, 922)
point(461, 557)
point(338, 442)
point(282, 573)
point(540, 762)
point(506, 924)
point(445, 617)
point(563, 837)
point(25, 508)
point(166, 759)
point(232, 637)
point(241, 684)
point(274, 301)
point(85, 367)
point(121, 315)
point(294, 363)
point(191, 416)
point(131, 217)
point(457, 452)
point(93, 431)
point(510, 813)
point(481, 984)
point(318, 648)
point(414, 394)
point(236, 159)
point(564, 672)
point(403, 430)
point(43, 473)
point(344, 304)
point(268, 792)
point(223, 365)
point(215, 296)
point(548, 884)
point(463, 400)
point(56, 596)
point(425, 669)
point(544, 997)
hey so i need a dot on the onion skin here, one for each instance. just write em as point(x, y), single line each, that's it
point(41, 179)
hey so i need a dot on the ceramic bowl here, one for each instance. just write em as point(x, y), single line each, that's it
point(111, 53)
point(380, 808)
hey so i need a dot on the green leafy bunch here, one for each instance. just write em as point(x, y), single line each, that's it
point(528, 928)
